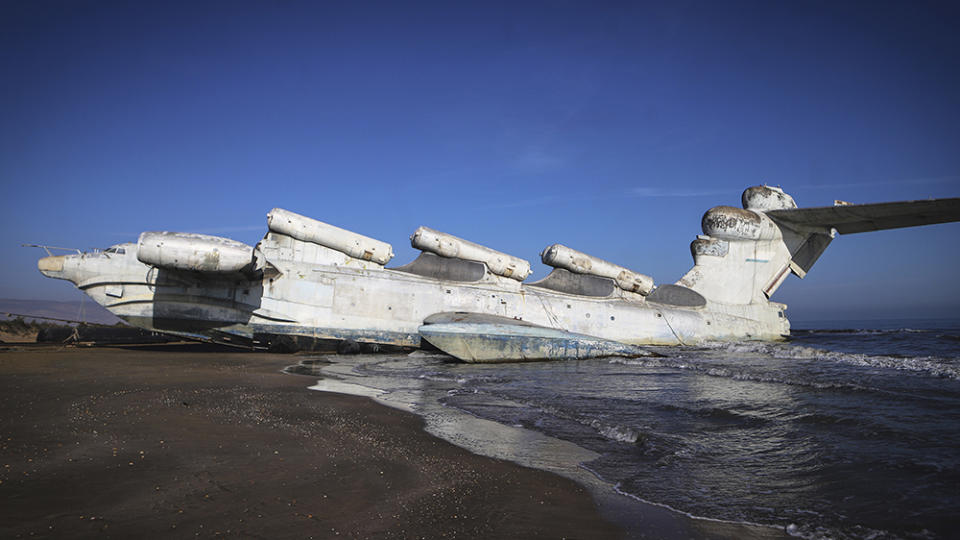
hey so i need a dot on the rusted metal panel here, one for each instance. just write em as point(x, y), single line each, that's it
point(777, 280)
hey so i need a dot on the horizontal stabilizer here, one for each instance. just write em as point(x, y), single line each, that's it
point(855, 218)
point(492, 342)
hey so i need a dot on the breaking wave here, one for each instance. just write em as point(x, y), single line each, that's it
point(874, 457)
point(610, 431)
point(933, 365)
point(860, 331)
point(615, 432)
point(729, 372)
point(929, 365)
point(607, 430)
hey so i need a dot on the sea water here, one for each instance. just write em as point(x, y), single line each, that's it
point(847, 430)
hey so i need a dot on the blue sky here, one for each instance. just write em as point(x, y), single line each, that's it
point(609, 127)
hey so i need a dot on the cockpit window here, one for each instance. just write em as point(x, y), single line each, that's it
point(117, 250)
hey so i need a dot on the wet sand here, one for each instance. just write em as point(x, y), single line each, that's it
point(180, 441)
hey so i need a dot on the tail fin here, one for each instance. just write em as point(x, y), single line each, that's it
point(745, 254)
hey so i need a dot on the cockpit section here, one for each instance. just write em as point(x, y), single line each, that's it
point(81, 265)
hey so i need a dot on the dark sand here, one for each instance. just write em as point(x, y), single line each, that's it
point(174, 441)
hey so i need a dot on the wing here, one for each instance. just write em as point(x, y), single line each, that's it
point(856, 218)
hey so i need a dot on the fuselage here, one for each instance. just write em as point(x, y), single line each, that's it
point(308, 282)
point(312, 292)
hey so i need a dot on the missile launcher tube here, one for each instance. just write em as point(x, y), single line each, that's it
point(317, 232)
point(560, 256)
point(447, 245)
point(194, 252)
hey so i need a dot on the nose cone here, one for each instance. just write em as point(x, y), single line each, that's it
point(52, 266)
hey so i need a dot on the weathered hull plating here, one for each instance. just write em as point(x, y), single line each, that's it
point(488, 343)
point(336, 303)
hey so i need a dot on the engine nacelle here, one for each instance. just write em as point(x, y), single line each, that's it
point(317, 232)
point(560, 256)
point(194, 252)
point(447, 245)
point(732, 223)
point(765, 198)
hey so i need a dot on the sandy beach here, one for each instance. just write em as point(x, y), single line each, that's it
point(179, 441)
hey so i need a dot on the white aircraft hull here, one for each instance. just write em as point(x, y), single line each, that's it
point(336, 303)
point(291, 291)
